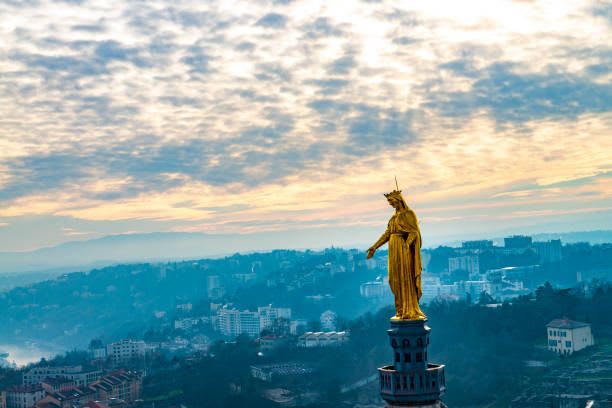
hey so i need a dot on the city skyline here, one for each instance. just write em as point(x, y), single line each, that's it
point(280, 117)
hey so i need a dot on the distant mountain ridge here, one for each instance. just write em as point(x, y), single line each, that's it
point(152, 247)
point(170, 246)
point(593, 237)
point(159, 246)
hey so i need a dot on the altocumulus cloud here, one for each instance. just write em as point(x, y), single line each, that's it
point(204, 97)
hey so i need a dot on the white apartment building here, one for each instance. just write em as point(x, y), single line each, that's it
point(268, 315)
point(430, 286)
point(233, 322)
point(467, 263)
point(75, 373)
point(125, 352)
point(376, 289)
point(566, 336)
point(24, 396)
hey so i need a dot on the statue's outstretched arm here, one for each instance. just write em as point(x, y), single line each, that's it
point(382, 240)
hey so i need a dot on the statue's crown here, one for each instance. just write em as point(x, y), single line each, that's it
point(394, 193)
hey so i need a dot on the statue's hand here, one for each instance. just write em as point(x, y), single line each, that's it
point(370, 253)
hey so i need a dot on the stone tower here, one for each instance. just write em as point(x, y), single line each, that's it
point(411, 381)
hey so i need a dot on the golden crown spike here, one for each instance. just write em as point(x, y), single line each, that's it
point(395, 192)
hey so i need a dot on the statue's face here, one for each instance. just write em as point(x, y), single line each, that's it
point(393, 202)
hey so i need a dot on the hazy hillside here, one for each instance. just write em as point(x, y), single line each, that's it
point(112, 301)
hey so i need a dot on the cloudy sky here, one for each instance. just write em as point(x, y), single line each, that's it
point(251, 116)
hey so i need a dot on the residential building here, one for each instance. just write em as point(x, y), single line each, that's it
point(549, 251)
point(56, 384)
point(526, 274)
point(468, 263)
point(567, 336)
point(233, 322)
point(376, 289)
point(119, 385)
point(76, 373)
point(430, 286)
point(2, 399)
point(24, 396)
point(323, 339)
point(518, 242)
point(126, 352)
point(214, 288)
point(269, 315)
point(69, 398)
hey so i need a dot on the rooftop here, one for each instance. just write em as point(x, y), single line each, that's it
point(72, 393)
point(566, 324)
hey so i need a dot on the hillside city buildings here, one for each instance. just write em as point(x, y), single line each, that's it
point(79, 375)
point(24, 396)
point(73, 387)
point(478, 271)
point(465, 277)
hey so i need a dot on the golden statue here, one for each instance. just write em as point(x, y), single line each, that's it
point(404, 240)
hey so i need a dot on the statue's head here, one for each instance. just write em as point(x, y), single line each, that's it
point(396, 200)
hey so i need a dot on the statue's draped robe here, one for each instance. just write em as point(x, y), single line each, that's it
point(405, 267)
